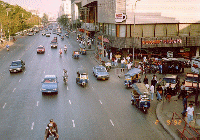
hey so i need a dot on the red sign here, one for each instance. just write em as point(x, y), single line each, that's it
point(162, 41)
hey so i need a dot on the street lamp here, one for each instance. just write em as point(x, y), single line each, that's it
point(134, 27)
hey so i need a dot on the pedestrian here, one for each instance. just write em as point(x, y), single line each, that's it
point(152, 91)
point(145, 80)
point(184, 105)
point(169, 92)
point(183, 91)
point(147, 86)
point(129, 66)
point(159, 92)
point(154, 82)
point(122, 63)
point(190, 113)
point(116, 64)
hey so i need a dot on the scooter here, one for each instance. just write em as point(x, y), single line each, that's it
point(65, 50)
point(65, 79)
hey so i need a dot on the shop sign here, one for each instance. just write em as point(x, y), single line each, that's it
point(120, 17)
point(162, 41)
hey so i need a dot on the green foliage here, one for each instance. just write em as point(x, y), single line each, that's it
point(45, 19)
point(14, 18)
point(63, 20)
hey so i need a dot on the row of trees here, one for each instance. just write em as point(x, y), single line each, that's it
point(14, 18)
point(65, 22)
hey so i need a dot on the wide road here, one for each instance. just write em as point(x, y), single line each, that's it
point(101, 110)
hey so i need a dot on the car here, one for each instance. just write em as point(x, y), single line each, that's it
point(191, 82)
point(43, 33)
point(40, 49)
point(48, 34)
point(174, 81)
point(50, 84)
point(100, 72)
point(17, 66)
point(54, 44)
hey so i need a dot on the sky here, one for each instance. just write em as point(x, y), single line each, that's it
point(183, 10)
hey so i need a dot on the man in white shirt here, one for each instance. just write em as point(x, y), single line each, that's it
point(190, 113)
point(152, 91)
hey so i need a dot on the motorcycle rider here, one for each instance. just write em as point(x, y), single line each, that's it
point(65, 48)
point(7, 46)
point(52, 130)
point(60, 51)
point(65, 74)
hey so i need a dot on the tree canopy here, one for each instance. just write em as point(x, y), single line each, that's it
point(63, 20)
point(14, 18)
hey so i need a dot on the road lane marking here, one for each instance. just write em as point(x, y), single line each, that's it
point(32, 126)
point(111, 122)
point(73, 123)
point(70, 102)
point(4, 105)
point(44, 71)
point(100, 101)
point(19, 80)
point(67, 88)
point(14, 89)
point(37, 103)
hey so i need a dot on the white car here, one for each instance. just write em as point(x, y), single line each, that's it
point(48, 34)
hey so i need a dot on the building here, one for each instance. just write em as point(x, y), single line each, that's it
point(65, 8)
point(123, 29)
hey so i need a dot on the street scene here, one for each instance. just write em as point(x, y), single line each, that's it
point(76, 75)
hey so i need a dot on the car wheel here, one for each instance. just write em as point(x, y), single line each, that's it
point(132, 102)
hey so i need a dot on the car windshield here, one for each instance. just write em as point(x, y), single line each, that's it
point(101, 69)
point(40, 47)
point(190, 79)
point(84, 76)
point(170, 80)
point(15, 64)
point(50, 80)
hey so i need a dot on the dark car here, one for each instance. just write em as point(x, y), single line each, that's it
point(50, 84)
point(17, 66)
point(174, 81)
point(100, 72)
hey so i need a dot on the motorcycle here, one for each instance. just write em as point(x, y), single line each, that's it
point(7, 49)
point(65, 50)
point(65, 79)
point(60, 54)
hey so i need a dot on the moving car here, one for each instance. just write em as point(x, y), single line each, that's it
point(50, 84)
point(40, 49)
point(100, 72)
point(43, 33)
point(17, 66)
point(48, 34)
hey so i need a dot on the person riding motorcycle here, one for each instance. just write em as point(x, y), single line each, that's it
point(51, 130)
point(7, 46)
point(60, 51)
point(65, 75)
point(65, 48)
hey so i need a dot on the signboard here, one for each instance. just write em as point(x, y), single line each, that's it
point(120, 17)
point(162, 41)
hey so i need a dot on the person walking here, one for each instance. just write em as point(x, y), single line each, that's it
point(190, 113)
point(152, 91)
point(184, 105)
point(145, 80)
point(159, 91)
point(169, 92)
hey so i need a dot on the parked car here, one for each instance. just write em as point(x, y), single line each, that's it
point(174, 81)
point(191, 82)
point(30, 34)
point(50, 84)
point(100, 72)
point(17, 66)
point(40, 49)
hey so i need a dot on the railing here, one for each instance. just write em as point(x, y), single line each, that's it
point(185, 131)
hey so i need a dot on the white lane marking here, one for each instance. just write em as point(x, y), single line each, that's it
point(44, 71)
point(73, 123)
point(67, 88)
point(100, 101)
point(37, 103)
point(4, 105)
point(14, 89)
point(32, 126)
point(111, 122)
point(70, 102)
point(20, 80)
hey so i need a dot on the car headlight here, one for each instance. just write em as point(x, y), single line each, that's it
point(55, 89)
point(43, 89)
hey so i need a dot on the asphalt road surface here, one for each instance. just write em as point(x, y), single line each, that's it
point(101, 110)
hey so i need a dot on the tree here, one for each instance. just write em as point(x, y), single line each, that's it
point(45, 19)
point(63, 20)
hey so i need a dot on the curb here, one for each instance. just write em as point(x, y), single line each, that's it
point(160, 119)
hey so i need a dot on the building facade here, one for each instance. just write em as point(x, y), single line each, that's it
point(65, 8)
point(123, 28)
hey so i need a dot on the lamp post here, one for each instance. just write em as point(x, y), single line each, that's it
point(134, 28)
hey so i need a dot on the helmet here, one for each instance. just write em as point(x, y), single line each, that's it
point(51, 120)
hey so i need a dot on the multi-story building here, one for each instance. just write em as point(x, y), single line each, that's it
point(65, 8)
point(123, 28)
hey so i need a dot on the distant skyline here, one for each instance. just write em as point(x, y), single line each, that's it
point(185, 11)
